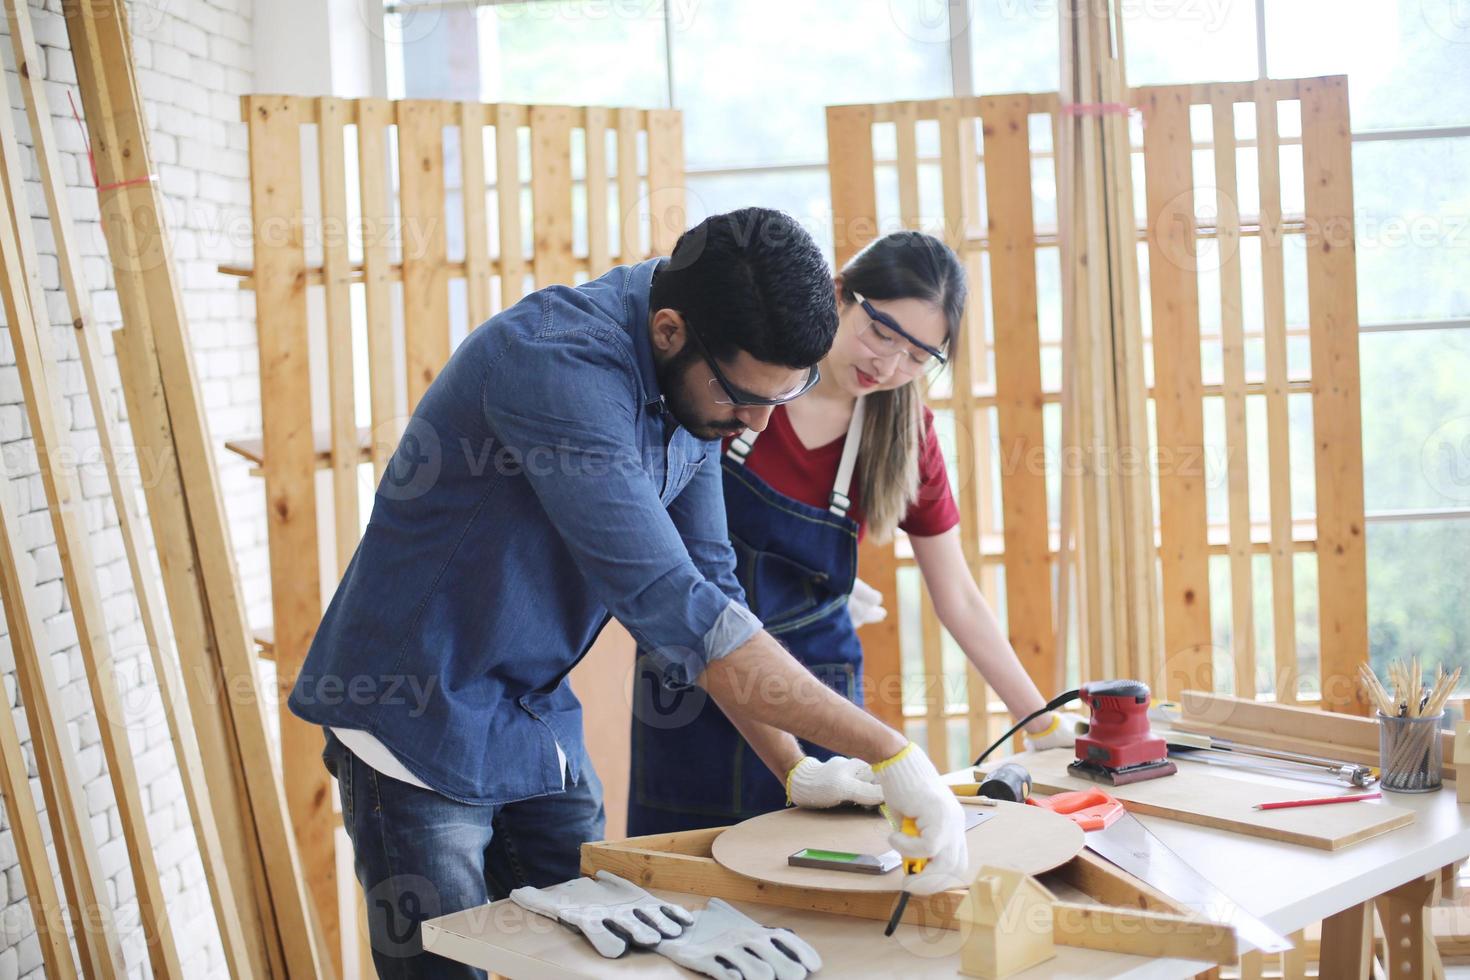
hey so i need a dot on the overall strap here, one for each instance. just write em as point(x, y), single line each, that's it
point(839, 501)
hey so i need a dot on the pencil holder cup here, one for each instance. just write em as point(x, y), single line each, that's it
point(1410, 753)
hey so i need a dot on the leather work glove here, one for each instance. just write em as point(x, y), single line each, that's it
point(818, 785)
point(912, 788)
point(726, 943)
point(865, 604)
point(611, 912)
point(1064, 729)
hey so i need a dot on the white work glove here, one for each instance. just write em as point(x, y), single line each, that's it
point(912, 788)
point(725, 943)
point(611, 912)
point(818, 785)
point(1065, 727)
point(865, 604)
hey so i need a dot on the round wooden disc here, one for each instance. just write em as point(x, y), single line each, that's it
point(1026, 838)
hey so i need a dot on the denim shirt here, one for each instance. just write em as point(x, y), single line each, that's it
point(539, 487)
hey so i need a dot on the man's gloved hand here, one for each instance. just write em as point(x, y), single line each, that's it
point(912, 788)
point(865, 604)
point(1063, 731)
point(725, 943)
point(611, 912)
point(818, 785)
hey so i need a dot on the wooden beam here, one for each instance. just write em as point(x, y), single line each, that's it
point(341, 399)
point(425, 242)
point(508, 197)
point(667, 215)
point(377, 220)
point(473, 187)
point(551, 196)
point(1332, 302)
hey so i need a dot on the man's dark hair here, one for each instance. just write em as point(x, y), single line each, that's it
point(752, 280)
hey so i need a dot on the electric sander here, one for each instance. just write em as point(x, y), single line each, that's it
point(1119, 748)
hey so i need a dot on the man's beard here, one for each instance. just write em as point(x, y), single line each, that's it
point(673, 377)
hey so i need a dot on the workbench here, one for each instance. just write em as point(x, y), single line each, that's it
point(1286, 885)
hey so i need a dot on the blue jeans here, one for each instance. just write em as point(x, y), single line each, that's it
point(420, 855)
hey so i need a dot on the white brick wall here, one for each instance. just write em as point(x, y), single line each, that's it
point(194, 60)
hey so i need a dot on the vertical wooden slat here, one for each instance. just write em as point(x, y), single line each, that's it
point(289, 464)
point(1278, 420)
point(1332, 301)
point(1179, 417)
point(508, 197)
point(1237, 443)
point(598, 244)
point(629, 226)
point(1018, 387)
point(377, 222)
point(854, 224)
point(476, 236)
point(337, 293)
point(957, 176)
point(551, 195)
point(936, 740)
point(665, 178)
point(425, 243)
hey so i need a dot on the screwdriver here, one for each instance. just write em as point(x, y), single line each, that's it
point(911, 866)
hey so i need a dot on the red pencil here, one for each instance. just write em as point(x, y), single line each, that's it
point(1285, 804)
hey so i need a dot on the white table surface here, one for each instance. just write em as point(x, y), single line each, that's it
point(1286, 885)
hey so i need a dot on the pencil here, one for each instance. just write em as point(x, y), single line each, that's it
point(1286, 804)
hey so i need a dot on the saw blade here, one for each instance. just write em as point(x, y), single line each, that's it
point(1134, 848)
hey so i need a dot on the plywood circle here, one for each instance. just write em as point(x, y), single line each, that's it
point(1027, 838)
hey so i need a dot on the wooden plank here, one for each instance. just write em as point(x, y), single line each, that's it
point(289, 465)
point(377, 222)
point(667, 214)
point(476, 228)
point(551, 195)
point(1184, 560)
point(630, 227)
point(1237, 442)
point(854, 194)
point(425, 244)
point(1332, 301)
point(1347, 941)
point(1292, 721)
point(508, 198)
point(598, 244)
point(1209, 796)
point(341, 402)
point(936, 733)
point(908, 165)
point(242, 954)
point(1278, 420)
point(1018, 389)
point(1142, 933)
point(73, 539)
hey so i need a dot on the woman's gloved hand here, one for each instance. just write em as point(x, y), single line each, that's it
point(1063, 731)
point(865, 604)
point(912, 788)
point(817, 785)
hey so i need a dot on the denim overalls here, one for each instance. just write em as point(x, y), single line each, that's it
point(796, 562)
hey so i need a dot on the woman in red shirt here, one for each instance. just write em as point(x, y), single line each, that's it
point(858, 454)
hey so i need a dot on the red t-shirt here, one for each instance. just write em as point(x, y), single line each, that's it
point(780, 459)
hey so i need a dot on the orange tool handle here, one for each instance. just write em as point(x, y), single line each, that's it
point(1090, 809)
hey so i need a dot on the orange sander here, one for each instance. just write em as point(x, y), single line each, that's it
point(1119, 748)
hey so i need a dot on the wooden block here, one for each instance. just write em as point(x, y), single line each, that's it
point(1211, 797)
point(1009, 915)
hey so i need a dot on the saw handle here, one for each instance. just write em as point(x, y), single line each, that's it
point(1090, 809)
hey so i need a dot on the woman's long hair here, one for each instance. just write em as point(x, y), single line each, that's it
point(902, 265)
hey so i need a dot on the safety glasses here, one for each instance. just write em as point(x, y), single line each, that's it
point(883, 336)
point(727, 393)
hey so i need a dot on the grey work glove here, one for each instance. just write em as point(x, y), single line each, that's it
point(727, 944)
point(611, 912)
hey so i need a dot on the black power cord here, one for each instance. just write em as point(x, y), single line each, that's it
point(1052, 705)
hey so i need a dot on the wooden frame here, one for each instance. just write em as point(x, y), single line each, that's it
point(292, 448)
point(1026, 546)
point(1112, 908)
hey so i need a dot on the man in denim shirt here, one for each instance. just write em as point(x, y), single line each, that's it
point(562, 469)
